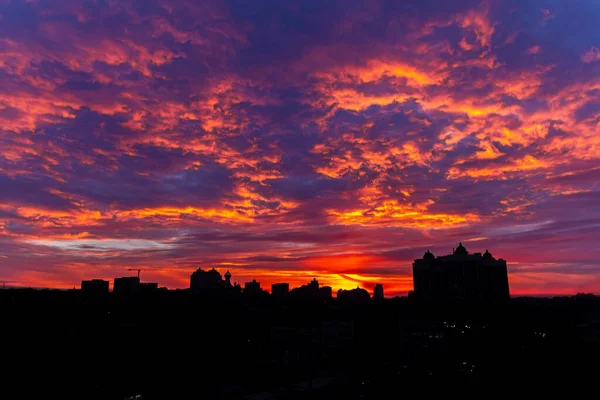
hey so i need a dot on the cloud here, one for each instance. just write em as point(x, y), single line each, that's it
point(336, 140)
point(591, 55)
point(101, 245)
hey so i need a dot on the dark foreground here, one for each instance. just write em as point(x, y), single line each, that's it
point(174, 345)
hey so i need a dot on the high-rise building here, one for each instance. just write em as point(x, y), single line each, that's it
point(461, 276)
point(378, 292)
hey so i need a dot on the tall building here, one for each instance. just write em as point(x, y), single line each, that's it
point(126, 285)
point(94, 287)
point(378, 292)
point(461, 276)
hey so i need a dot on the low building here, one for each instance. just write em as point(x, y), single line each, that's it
point(252, 287)
point(149, 287)
point(353, 296)
point(311, 293)
point(126, 285)
point(95, 287)
point(280, 290)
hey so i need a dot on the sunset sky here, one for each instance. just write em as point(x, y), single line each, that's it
point(289, 140)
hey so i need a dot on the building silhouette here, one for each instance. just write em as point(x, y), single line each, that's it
point(378, 292)
point(461, 276)
point(325, 293)
point(353, 296)
point(148, 287)
point(312, 292)
point(94, 287)
point(280, 290)
point(126, 285)
point(205, 280)
point(252, 287)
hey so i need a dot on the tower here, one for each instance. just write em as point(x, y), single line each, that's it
point(378, 292)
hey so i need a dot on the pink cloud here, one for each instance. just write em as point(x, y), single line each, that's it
point(592, 55)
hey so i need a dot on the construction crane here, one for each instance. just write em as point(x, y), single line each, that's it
point(136, 269)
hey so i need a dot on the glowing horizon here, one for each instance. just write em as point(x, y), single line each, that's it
point(289, 140)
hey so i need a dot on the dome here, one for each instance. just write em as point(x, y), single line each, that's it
point(461, 250)
point(487, 255)
point(227, 275)
point(214, 274)
point(428, 255)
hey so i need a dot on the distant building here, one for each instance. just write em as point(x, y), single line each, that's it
point(325, 293)
point(354, 296)
point(126, 285)
point(461, 276)
point(280, 290)
point(311, 293)
point(378, 292)
point(94, 286)
point(252, 287)
point(204, 280)
point(149, 287)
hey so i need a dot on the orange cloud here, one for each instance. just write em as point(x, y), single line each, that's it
point(392, 213)
point(517, 166)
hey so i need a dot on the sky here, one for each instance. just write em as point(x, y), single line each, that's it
point(291, 140)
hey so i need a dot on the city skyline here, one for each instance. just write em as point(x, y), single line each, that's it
point(208, 278)
point(474, 277)
point(284, 142)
